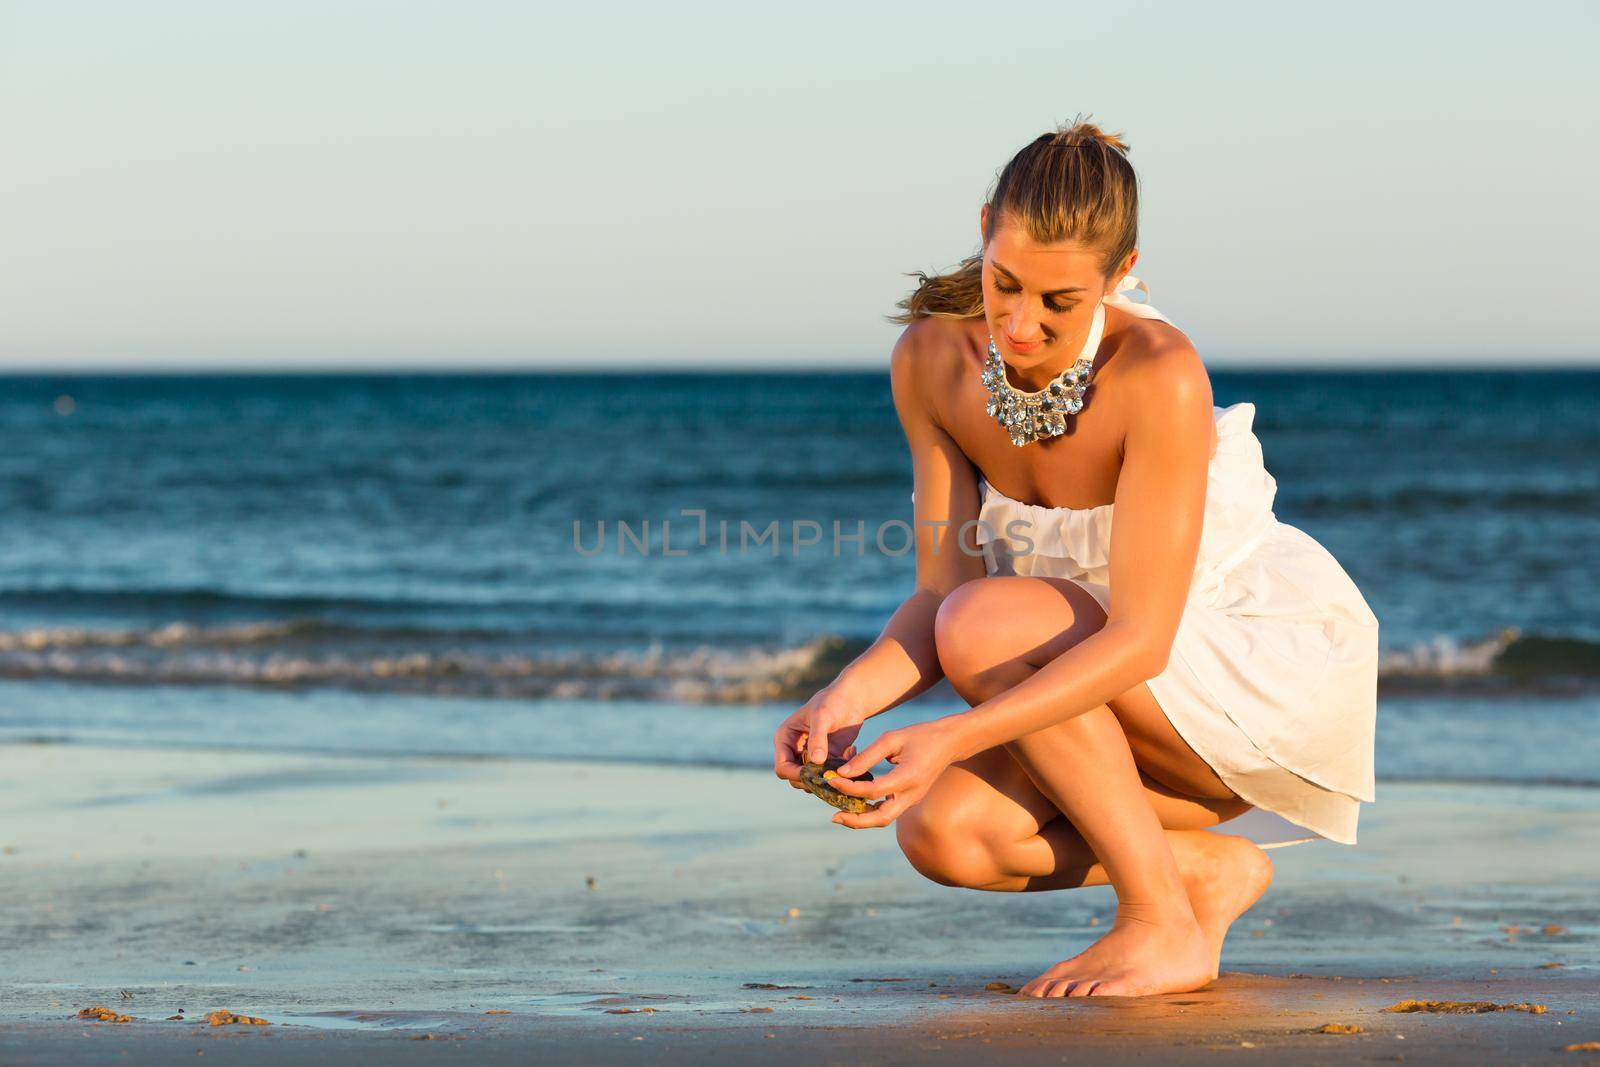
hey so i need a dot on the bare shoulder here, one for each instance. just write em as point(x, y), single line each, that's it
point(1158, 369)
point(933, 342)
point(927, 361)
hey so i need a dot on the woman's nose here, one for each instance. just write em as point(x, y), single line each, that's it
point(1021, 325)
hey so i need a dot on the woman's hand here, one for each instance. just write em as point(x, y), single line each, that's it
point(825, 726)
point(920, 753)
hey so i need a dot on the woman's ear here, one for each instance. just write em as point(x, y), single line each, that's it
point(983, 223)
point(1123, 271)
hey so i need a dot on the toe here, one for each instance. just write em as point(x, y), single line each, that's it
point(1036, 988)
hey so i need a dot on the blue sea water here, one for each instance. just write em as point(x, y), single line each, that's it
point(403, 563)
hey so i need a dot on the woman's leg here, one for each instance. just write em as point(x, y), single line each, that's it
point(985, 825)
point(1177, 888)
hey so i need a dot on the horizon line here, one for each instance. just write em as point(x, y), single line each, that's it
point(532, 370)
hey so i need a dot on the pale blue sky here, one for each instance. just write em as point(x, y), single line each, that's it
point(285, 184)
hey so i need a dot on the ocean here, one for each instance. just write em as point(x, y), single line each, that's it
point(409, 563)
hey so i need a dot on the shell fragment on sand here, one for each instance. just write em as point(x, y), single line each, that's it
point(1462, 1007)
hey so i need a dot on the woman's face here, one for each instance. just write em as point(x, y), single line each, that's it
point(1040, 299)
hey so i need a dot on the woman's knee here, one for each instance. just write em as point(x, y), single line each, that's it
point(946, 847)
point(986, 624)
point(960, 638)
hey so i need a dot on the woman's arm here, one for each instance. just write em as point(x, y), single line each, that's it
point(1157, 522)
point(903, 662)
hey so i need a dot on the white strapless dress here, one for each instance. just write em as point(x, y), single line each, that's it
point(1273, 674)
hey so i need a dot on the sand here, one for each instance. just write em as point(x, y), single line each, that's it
point(399, 901)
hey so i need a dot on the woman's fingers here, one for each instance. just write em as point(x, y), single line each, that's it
point(873, 790)
point(805, 737)
point(872, 818)
point(817, 743)
point(787, 745)
point(869, 757)
point(783, 761)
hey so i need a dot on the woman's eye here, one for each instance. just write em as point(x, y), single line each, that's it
point(1048, 307)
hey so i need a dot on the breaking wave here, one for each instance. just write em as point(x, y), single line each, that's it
point(308, 653)
point(1507, 659)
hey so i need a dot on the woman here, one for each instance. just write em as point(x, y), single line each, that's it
point(1234, 669)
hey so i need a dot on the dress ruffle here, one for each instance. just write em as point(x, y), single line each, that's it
point(1239, 497)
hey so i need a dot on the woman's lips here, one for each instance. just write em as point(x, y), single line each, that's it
point(1018, 346)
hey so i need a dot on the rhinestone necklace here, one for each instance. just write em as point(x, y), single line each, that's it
point(1031, 416)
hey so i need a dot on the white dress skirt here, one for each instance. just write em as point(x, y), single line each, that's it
point(1273, 674)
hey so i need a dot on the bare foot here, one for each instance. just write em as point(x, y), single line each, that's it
point(1140, 956)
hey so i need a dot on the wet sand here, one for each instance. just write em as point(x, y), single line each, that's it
point(354, 902)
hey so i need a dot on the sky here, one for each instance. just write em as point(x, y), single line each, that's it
point(287, 185)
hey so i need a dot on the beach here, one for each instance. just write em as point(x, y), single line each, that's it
point(442, 444)
point(594, 911)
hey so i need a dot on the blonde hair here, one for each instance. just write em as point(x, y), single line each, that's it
point(1073, 183)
